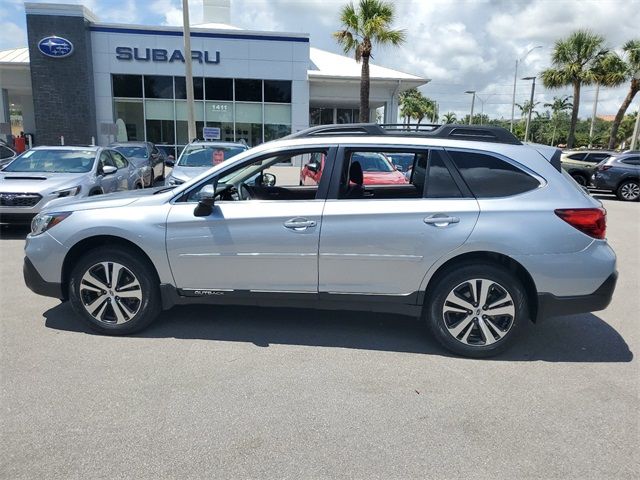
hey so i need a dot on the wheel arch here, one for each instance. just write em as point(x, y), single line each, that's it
point(493, 258)
point(90, 243)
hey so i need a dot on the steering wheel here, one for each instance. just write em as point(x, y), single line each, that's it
point(245, 192)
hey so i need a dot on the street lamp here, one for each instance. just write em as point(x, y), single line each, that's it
point(515, 79)
point(191, 121)
point(533, 89)
point(473, 101)
point(482, 102)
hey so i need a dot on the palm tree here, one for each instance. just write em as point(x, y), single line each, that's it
point(413, 104)
point(559, 105)
point(526, 106)
point(632, 72)
point(573, 60)
point(363, 27)
point(449, 117)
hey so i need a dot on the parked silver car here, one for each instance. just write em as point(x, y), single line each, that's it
point(7, 155)
point(200, 156)
point(144, 156)
point(42, 174)
point(487, 234)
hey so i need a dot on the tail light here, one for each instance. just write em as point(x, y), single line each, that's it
point(591, 221)
point(602, 168)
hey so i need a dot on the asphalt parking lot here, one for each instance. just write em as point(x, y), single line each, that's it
point(272, 393)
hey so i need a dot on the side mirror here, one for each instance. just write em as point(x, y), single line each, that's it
point(109, 169)
point(205, 198)
point(313, 166)
point(170, 162)
point(268, 179)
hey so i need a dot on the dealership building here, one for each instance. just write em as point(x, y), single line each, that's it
point(85, 80)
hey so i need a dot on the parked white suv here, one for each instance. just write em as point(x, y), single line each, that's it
point(485, 235)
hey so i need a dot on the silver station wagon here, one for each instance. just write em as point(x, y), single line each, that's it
point(485, 235)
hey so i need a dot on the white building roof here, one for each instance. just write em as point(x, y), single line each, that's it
point(15, 56)
point(331, 65)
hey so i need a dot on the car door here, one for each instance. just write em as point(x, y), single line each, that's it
point(265, 243)
point(127, 173)
point(108, 182)
point(381, 240)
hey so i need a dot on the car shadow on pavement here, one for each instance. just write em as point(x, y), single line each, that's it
point(14, 232)
point(577, 338)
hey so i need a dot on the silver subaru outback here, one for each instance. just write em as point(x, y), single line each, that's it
point(485, 234)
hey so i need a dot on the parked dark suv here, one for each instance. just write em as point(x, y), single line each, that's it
point(581, 164)
point(620, 174)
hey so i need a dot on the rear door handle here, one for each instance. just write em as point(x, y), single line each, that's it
point(299, 224)
point(441, 220)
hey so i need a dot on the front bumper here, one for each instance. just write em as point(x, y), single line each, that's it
point(550, 305)
point(37, 284)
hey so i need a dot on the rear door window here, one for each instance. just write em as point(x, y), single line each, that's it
point(488, 176)
point(597, 157)
point(440, 183)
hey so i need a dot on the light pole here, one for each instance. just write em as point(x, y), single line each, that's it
point(515, 79)
point(482, 102)
point(191, 120)
point(533, 89)
point(473, 101)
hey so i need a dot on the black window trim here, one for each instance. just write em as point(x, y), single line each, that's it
point(542, 182)
point(325, 180)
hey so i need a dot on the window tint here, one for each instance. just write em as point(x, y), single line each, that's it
point(158, 86)
point(218, 88)
point(577, 156)
point(118, 159)
point(248, 90)
point(129, 86)
point(5, 152)
point(632, 160)
point(372, 175)
point(488, 176)
point(278, 177)
point(278, 91)
point(597, 157)
point(440, 184)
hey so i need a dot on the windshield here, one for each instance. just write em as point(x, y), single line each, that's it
point(207, 155)
point(373, 162)
point(53, 161)
point(132, 152)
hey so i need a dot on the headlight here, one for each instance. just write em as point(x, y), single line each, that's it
point(67, 192)
point(44, 221)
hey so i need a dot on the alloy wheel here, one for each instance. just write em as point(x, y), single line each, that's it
point(630, 191)
point(110, 293)
point(478, 312)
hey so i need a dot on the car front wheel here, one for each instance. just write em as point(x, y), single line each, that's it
point(476, 310)
point(629, 191)
point(580, 179)
point(114, 292)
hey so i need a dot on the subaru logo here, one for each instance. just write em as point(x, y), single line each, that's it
point(55, 47)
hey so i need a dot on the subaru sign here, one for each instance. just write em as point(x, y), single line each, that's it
point(56, 47)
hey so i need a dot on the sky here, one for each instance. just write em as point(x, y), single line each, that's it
point(459, 44)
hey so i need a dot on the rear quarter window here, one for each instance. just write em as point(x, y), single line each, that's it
point(488, 176)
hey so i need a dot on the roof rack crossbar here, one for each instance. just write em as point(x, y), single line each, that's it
point(428, 130)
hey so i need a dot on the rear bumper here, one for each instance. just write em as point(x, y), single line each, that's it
point(37, 284)
point(550, 305)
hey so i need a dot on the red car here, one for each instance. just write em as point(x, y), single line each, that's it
point(377, 169)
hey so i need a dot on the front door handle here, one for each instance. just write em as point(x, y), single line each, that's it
point(440, 220)
point(299, 224)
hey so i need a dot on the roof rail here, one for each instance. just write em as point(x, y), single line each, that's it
point(479, 133)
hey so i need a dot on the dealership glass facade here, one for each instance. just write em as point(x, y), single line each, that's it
point(154, 108)
point(329, 115)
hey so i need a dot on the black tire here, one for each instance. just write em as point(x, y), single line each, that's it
point(148, 308)
point(626, 189)
point(445, 284)
point(580, 179)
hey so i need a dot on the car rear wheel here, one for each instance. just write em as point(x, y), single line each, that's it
point(629, 191)
point(580, 179)
point(476, 310)
point(114, 292)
